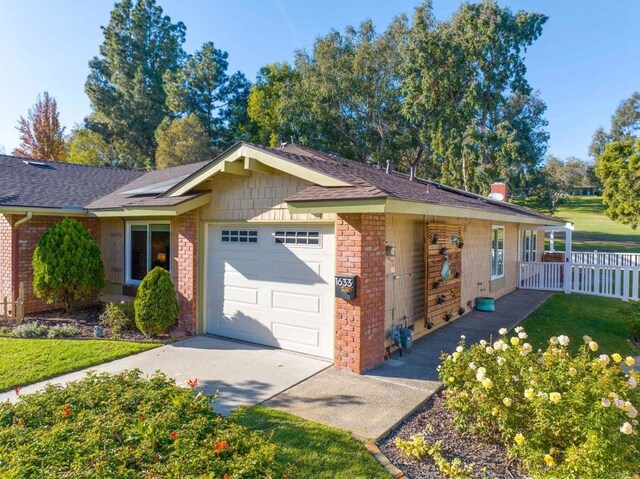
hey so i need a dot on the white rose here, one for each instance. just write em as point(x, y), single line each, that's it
point(626, 428)
point(459, 349)
point(605, 402)
point(523, 335)
point(501, 360)
point(632, 382)
point(563, 340)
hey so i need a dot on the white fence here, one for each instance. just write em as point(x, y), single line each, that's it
point(607, 259)
point(613, 281)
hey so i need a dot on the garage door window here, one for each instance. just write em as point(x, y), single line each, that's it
point(309, 238)
point(148, 246)
point(239, 236)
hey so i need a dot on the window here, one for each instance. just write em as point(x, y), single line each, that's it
point(239, 236)
point(529, 245)
point(497, 252)
point(148, 246)
point(298, 237)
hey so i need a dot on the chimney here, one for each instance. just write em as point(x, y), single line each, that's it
point(412, 172)
point(498, 191)
point(389, 167)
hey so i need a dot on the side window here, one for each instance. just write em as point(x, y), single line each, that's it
point(497, 252)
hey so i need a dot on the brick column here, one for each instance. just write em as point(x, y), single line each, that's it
point(360, 243)
point(7, 271)
point(186, 268)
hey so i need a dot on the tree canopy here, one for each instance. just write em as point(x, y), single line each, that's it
point(184, 141)
point(41, 135)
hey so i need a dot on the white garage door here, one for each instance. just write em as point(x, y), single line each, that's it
point(272, 285)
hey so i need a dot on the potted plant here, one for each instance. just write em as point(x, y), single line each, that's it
point(448, 316)
point(436, 284)
point(461, 310)
point(443, 250)
point(441, 299)
point(434, 239)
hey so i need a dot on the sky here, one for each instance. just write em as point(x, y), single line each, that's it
point(584, 64)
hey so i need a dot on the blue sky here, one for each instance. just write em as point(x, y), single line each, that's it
point(584, 64)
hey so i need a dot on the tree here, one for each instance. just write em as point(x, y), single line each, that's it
point(202, 87)
point(41, 135)
point(619, 169)
point(67, 266)
point(184, 141)
point(156, 303)
point(465, 86)
point(86, 147)
point(125, 86)
point(625, 124)
point(265, 103)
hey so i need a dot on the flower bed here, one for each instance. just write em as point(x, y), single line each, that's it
point(129, 427)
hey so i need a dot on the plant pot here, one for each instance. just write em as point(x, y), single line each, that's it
point(486, 304)
point(447, 317)
point(98, 331)
point(434, 239)
point(443, 250)
point(436, 285)
point(457, 275)
point(441, 299)
point(461, 244)
point(461, 311)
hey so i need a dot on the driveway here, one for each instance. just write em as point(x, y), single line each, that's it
point(243, 374)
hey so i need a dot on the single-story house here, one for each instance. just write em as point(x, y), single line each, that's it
point(286, 247)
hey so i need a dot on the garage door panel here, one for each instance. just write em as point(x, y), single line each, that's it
point(272, 293)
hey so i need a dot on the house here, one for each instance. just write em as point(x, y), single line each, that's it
point(286, 247)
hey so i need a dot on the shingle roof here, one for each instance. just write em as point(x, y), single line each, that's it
point(52, 184)
point(370, 182)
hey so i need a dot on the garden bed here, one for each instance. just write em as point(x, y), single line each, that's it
point(487, 457)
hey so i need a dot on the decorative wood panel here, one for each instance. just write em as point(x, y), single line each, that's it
point(442, 296)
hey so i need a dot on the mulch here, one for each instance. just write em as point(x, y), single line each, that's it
point(486, 456)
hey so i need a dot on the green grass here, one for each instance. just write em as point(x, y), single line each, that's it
point(26, 361)
point(593, 229)
point(577, 315)
point(316, 451)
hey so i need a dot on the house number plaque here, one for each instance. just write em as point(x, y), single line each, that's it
point(346, 286)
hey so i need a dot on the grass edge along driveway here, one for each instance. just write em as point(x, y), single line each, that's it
point(27, 361)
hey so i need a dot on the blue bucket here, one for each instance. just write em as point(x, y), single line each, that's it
point(486, 304)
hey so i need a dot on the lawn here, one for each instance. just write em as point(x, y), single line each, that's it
point(577, 315)
point(26, 361)
point(316, 451)
point(593, 229)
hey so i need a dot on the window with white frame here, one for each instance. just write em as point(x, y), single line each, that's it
point(529, 245)
point(497, 252)
point(239, 236)
point(307, 238)
point(148, 245)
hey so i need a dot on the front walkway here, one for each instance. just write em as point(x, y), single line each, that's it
point(374, 403)
point(243, 374)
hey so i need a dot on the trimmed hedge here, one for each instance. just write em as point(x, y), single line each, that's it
point(156, 304)
point(126, 426)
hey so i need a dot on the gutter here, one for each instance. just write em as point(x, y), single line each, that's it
point(22, 221)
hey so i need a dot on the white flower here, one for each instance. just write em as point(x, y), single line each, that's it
point(455, 356)
point(563, 340)
point(523, 335)
point(462, 336)
point(518, 329)
point(604, 358)
point(501, 360)
point(632, 382)
point(632, 412)
point(593, 346)
point(459, 349)
point(489, 350)
point(526, 349)
point(479, 376)
point(487, 383)
point(586, 339)
point(483, 343)
point(472, 365)
point(573, 371)
point(553, 340)
point(626, 428)
point(629, 361)
point(605, 402)
point(507, 402)
point(555, 397)
point(503, 331)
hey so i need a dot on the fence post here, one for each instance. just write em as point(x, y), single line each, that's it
point(568, 263)
point(20, 302)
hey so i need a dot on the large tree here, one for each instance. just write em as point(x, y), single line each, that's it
point(184, 141)
point(41, 135)
point(126, 86)
point(87, 147)
point(465, 85)
point(202, 87)
point(625, 125)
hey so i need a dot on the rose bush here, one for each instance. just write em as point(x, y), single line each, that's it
point(563, 415)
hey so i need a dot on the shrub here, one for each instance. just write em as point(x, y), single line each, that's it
point(67, 267)
point(631, 316)
point(156, 304)
point(63, 331)
point(118, 317)
point(30, 330)
point(130, 427)
point(562, 414)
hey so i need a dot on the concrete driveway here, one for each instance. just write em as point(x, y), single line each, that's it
point(243, 374)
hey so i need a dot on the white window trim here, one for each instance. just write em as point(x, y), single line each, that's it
point(530, 253)
point(127, 247)
point(296, 230)
point(504, 243)
point(242, 243)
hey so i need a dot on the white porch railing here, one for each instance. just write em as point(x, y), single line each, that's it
point(622, 282)
point(607, 259)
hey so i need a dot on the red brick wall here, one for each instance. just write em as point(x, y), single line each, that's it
point(185, 267)
point(360, 243)
point(6, 271)
point(28, 236)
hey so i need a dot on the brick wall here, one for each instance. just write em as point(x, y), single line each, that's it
point(360, 244)
point(29, 235)
point(185, 267)
point(6, 272)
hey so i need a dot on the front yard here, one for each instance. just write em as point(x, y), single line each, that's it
point(26, 361)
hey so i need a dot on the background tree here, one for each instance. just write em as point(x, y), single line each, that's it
point(184, 141)
point(125, 86)
point(265, 103)
point(67, 265)
point(625, 125)
point(41, 135)
point(202, 87)
point(619, 169)
point(86, 147)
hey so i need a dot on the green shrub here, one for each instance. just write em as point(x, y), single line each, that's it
point(126, 426)
point(30, 330)
point(118, 317)
point(631, 316)
point(67, 267)
point(564, 415)
point(63, 331)
point(156, 304)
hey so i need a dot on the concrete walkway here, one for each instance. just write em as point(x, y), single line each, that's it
point(243, 374)
point(372, 404)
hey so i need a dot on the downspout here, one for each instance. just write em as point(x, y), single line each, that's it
point(22, 221)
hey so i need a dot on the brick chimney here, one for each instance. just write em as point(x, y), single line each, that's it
point(499, 189)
